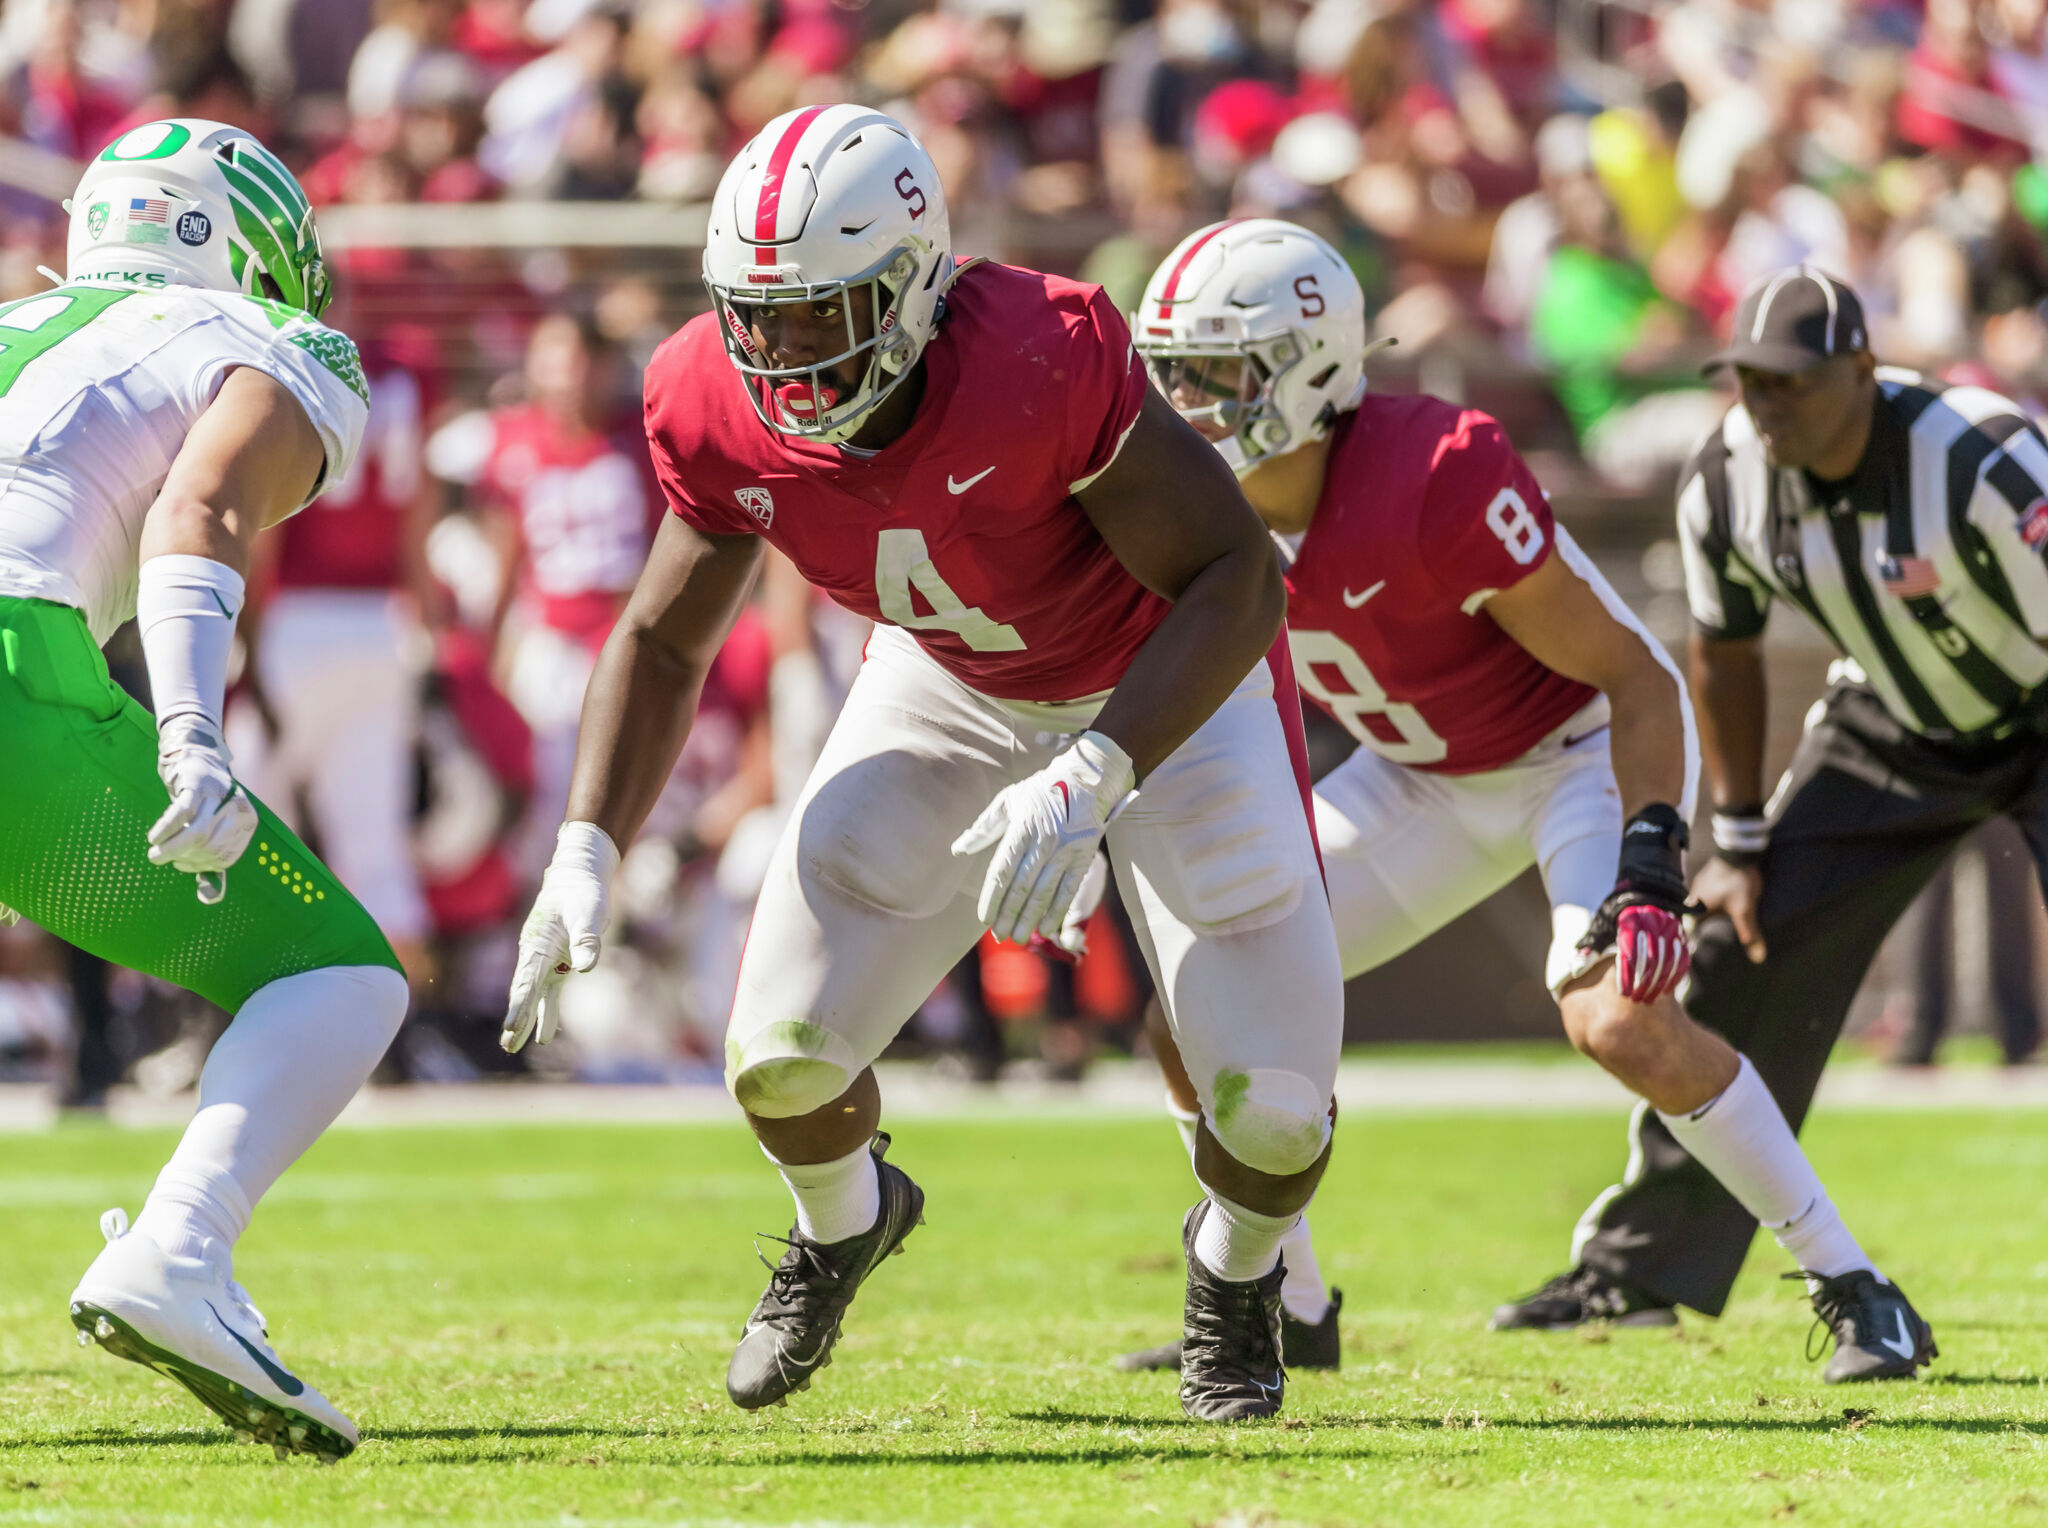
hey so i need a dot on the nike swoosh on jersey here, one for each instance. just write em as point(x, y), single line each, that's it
point(1353, 601)
point(1904, 1345)
point(290, 1384)
point(953, 487)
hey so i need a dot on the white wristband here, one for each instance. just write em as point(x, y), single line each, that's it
point(185, 607)
point(587, 847)
point(1741, 833)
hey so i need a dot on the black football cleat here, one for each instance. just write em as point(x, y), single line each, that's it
point(789, 1337)
point(1230, 1367)
point(1577, 1298)
point(1301, 1345)
point(1878, 1334)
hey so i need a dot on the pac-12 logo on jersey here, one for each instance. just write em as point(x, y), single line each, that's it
point(756, 502)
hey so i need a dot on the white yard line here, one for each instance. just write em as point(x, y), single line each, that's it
point(1364, 1087)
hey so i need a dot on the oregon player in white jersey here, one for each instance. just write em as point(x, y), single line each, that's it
point(171, 397)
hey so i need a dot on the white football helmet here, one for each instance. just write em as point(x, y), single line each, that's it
point(823, 202)
point(197, 203)
point(1280, 301)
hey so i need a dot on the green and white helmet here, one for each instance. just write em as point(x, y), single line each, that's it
point(197, 203)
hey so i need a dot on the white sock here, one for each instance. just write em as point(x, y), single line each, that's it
point(836, 1199)
point(288, 1064)
point(1237, 1244)
point(1301, 1290)
point(1741, 1137)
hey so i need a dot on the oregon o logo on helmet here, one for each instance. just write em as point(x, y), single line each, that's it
point(908, 189)
point(195, 228)
point(153, 140)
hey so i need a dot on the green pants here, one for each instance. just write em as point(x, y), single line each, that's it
point(78, 794)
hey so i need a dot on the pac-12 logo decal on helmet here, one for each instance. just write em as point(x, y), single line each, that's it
point(96, 220)
point(758, 503)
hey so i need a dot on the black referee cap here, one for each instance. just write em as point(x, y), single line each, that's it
point(1792, 320)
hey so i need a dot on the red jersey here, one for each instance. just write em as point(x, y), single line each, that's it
point(964, 530)
point(1425, 512)
point(352, 536)
point(584, 509)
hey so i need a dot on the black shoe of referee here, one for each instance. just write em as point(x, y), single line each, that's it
point(1578, 1297)
point(1302, 1345)
point(1878, 1334)
point(789, 1337)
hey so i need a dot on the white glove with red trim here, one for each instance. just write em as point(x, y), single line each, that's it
point(1045, 831)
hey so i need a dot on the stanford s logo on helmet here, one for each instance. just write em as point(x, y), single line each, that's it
point(1277, 299)
point(822, 204)
point(201, 204)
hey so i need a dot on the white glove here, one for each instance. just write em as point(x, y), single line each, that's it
point(1072, 943)
point(211, 819)
point(564, 931)
point(1045, 831)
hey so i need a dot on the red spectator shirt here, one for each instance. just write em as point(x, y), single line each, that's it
point(353, 535)
point(584, 508)
point(964, 530)
point(1426, 510)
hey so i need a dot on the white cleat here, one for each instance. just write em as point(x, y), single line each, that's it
point(190, 1321)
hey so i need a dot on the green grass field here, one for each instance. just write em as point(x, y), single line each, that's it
point(531, 1326)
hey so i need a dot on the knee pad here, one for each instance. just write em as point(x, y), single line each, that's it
point(786, 1069)
point(1273, 1121)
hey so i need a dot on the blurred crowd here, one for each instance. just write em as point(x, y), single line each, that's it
point(1552, 204)
point(1578, 188)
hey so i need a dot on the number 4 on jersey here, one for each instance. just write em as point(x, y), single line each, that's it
point(903, 563)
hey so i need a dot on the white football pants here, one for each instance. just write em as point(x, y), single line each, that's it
point(865, 908)
point(1406, 851)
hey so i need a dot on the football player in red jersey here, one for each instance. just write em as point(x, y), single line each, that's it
point(1510, 711)
point(1073, 598)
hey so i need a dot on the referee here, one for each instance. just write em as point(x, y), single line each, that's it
point(1907, 519)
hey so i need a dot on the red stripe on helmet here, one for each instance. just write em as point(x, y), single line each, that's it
point(1173, 276)
point(770, 204)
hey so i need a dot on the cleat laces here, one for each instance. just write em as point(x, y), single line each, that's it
point(1833, 1303)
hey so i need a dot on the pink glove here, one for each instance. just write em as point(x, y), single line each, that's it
point(1651, 955)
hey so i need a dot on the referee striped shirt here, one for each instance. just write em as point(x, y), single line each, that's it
point(1925, 567)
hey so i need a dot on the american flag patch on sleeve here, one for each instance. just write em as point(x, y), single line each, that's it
point(1907, 577)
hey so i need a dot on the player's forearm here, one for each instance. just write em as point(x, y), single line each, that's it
point(1646, 738)
point(637, 713)
point(1728, 689)
point(1222, 624)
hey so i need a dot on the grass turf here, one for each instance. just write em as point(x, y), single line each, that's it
point(531, 1326)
